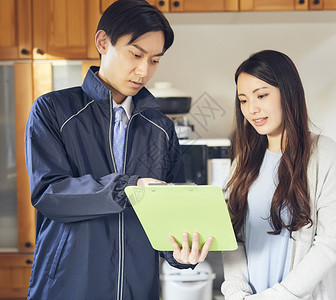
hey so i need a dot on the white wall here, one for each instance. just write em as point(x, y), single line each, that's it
point(209, 47)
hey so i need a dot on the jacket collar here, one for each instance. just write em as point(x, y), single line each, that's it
point(96, 90)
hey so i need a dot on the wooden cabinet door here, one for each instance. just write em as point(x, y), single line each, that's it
point(273, 5)
point(163, 5)
point(322, 4)
point(16, 29)
point(23, 84)
point(105, 4)
point(15, 267)
point(203, 5)
point(328, 4)
point(15, 272)
point(62, 28)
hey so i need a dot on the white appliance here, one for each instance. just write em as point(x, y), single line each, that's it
point(206, 161)
point(187, 284)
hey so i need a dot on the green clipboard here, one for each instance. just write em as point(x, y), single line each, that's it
point(173, 209)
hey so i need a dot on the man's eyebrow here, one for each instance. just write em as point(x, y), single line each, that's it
point(144, 51)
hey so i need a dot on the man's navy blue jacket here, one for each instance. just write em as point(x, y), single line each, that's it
point(90, 245)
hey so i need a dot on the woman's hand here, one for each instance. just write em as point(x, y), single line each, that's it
point(193, 256)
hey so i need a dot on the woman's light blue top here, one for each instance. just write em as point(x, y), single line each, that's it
point(268, 256)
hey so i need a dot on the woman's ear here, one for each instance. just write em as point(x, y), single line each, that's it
point(102, 41)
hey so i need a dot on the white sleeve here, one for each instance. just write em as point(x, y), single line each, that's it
point(278, 292)
point(235, 285)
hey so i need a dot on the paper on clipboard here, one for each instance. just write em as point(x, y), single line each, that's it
point(173, 209)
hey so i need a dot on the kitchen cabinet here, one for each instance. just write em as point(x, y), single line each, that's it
point(64, 29)
point(273, 5)
point(322, 4)
point(203, 6)
point(14, 275)
point(105, 4)
point(16, 33)
point(187, 5)
point(163, 5)
point(286, 5)
point(17, 217)
point(16, 99)
point(234, 5)
point(20, 84)
point(48, 29)
point(23, 84)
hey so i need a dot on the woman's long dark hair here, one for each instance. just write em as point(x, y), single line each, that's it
point(249, 147)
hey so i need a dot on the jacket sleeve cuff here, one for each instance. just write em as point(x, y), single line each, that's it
point(133, 180)
point(168, 255)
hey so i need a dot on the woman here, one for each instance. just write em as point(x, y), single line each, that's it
point(282, 192)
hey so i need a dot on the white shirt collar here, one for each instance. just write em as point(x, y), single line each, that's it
point(127, 105)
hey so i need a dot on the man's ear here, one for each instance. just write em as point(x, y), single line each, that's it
point(102, 41)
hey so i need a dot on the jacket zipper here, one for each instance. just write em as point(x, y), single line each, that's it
point(122, 228)
point(119, 290)
point(121, 215)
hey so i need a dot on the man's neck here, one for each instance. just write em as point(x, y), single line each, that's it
point(117, 97)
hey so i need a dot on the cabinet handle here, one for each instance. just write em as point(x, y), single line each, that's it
point(24, 51)
point(28, 244)
point(29, 261)
point(301, 1)
point(316, 2)
point(176, 3)
point(39, 51)
point(161, 3)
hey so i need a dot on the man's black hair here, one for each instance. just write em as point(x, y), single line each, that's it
point(135, 17)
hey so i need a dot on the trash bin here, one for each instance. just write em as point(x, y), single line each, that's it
point(187, 284)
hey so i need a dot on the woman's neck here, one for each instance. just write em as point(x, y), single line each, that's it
point(274, 143)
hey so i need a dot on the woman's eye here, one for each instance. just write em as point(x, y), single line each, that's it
point(242, 101)
point(262, 96)
point(154, 61)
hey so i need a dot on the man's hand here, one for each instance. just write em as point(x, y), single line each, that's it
point(146, 181)
point(193, 256)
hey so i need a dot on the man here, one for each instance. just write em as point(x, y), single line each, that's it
point(90, 244)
